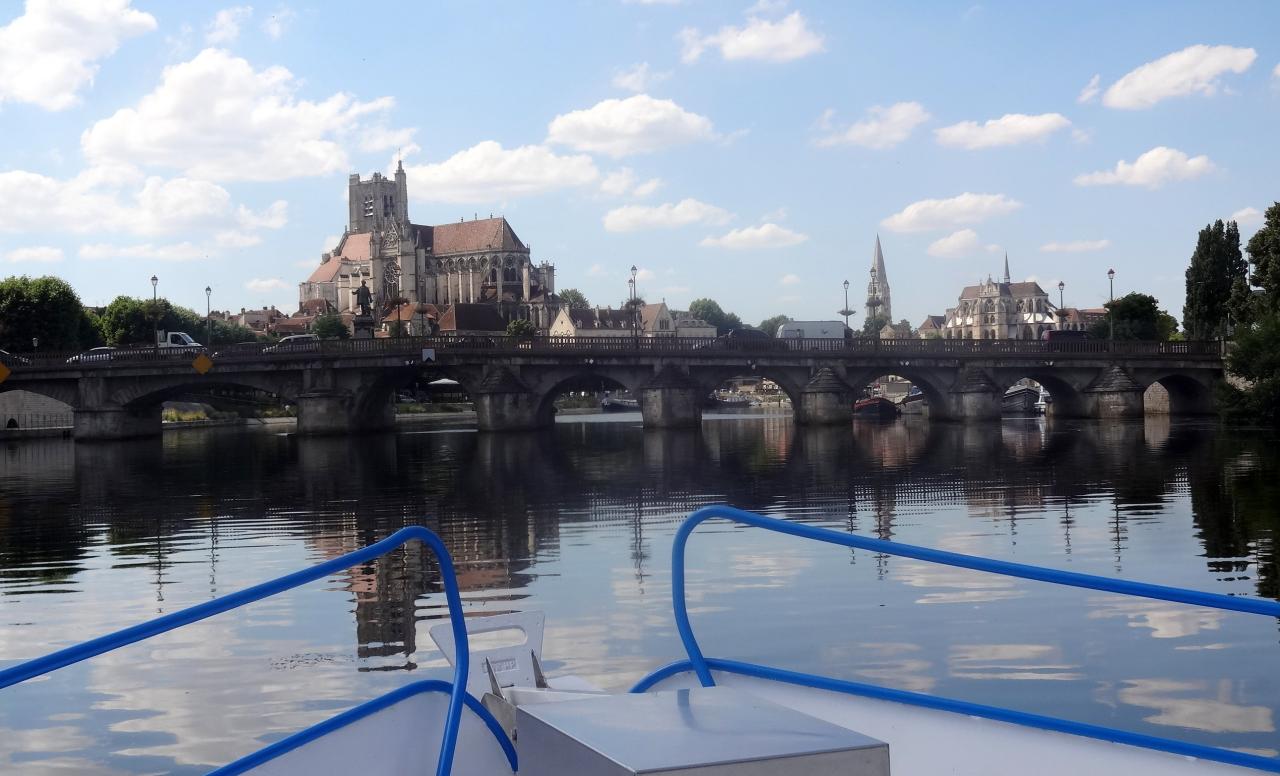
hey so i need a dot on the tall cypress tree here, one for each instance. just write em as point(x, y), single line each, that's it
point(1215, 265)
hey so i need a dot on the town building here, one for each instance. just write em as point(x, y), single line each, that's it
point(481, 261)
point(879, 300)
point(931, 327)
point(1076, 319)
point(1000, 310)
point(653, 320)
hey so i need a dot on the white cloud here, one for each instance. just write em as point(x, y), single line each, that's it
point(883, 127)
point(487, 172)
point(632, 218)
point(1009, 129)
point(225, 27)
point(637, 78)
point(956, 245)
point(1153, 169)
point(1090, 91)
point(274, 217)
point(39, 254)
point(49, 54)
point(1193, 70)
point(1276, 72)
point(263, 285)
point(183, 251)
point(754, 237)
point(789, 280)
point(380, 138)
point(596, 271)
point(675, 290)
point(1247, 216)
point(278, 22)
point(771, 41)
point(330, 243)
point(967, 208)
point(114, 199)
point(215, 117)
point(623, 182)
point(1075, 246)
point(236, 239)
point(636, 125)
point(644, 274)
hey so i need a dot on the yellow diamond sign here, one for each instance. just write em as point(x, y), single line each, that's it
point(202, 363)
point(4, 372)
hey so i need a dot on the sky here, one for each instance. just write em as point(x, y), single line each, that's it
point(746, 152)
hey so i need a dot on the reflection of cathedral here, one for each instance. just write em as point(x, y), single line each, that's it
point(478, 261)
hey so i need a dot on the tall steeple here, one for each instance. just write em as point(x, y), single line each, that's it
point(879, 302)
point(1006, 266)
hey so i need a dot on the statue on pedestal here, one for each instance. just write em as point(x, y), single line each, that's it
point(364, 299)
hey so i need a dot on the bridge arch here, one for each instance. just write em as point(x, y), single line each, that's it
point(1187, 395)
point(1065, 398)
point(933, 384)
point(584, 381)
point(142, 394)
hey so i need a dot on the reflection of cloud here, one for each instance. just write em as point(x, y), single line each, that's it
point(1166, 621)
point(1207, 714)
point(949, 585)
point(773, 569)
point(1009, 661)
point(895, 670)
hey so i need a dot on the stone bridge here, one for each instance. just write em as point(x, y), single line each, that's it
point(342, 386)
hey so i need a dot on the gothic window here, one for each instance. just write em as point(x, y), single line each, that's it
point(368, 207)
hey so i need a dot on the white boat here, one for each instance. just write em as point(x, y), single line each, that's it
point(699, 715)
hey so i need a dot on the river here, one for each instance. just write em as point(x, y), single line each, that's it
point(577, 521)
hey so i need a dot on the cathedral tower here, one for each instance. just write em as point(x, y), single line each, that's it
point(879, 302)
point(372, 204)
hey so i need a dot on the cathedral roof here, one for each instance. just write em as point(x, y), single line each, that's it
point(356, 247)
point(1028, 288)
point(485, 234)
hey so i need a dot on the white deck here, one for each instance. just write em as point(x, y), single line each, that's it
point(925, 742)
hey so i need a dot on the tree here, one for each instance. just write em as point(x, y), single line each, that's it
point(1137, 317)
point(871, 327)
point(521, 328)
point(711, 312)
point(1214, 268)
point(46, 309)
point(770, 325)
point(1256, 359)
point(330, 326)
point(1264, 255)
point(574, 299)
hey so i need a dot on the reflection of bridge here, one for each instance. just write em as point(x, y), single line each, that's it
point(339, 386)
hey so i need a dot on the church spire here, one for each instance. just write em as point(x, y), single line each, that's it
point(1006, 266)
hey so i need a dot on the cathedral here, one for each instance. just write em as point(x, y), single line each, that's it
point(879, 303)
point(999, 310)
point(481, 261)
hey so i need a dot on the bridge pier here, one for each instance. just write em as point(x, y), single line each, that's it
point(1114, 394)
point(671, 400)
point(503, 403)
point(337, 411)
point(825, 401)
point(106, 423)
point(975, 397)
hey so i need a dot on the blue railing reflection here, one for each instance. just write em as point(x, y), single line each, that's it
point(136, 633)
point(702, 666)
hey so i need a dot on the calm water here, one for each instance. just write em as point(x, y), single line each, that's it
point(578, 522)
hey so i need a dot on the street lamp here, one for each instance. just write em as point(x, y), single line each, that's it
point(1111, 312)
point(35, 344)
point(635, 333)
point(155, 315)
point(1062, 316)
point(845, 311)
point(208, 317)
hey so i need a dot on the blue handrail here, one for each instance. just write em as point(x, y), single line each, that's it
point(168, 622)
point(701, 666)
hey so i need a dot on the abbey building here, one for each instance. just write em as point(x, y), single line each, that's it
point(481, 261)
point(999, 310)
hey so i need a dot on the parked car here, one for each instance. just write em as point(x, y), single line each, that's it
point(747, 339)
point(104, 353)
point(296, 343)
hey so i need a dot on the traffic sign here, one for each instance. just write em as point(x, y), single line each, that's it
point(4, 372)
point(202, 363)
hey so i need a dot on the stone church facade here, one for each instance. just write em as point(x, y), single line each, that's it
point(481, 261)
point(1000, 310)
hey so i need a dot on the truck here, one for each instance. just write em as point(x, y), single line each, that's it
point(811, 330)
point(177, 340)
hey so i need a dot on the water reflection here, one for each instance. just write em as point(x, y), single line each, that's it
point(578, 522)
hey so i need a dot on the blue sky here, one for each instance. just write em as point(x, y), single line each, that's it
point(750, 153)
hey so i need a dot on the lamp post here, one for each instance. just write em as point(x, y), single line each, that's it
point(635, 332)
point(845, 311)
point(1062, 316)
point(208, 317)
point(155, 315)
point(1111, 294)
point(35, 345)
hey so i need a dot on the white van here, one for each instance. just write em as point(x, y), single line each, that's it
point(811, 330)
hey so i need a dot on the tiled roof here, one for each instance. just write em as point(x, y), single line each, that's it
point(326, 272)
point(649, 315)
point(355, 247)
point(600, 318)
point(472, 317)
point(1028, 288)
point(486, 234)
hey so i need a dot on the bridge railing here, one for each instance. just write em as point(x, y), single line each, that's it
point(412, 348)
